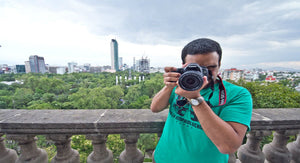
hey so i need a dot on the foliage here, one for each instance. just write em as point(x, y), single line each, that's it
point(22, 97)
point(116, 145)
point(147, 142)
point(272, 95)
point(82, 145)
point(8, 77)
point(51, 152)
point(79, 91)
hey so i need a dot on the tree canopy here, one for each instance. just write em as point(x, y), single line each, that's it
point(101, 91)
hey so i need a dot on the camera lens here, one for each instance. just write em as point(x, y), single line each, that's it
point(190, 81)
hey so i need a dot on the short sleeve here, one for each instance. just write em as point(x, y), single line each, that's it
point(238, 108)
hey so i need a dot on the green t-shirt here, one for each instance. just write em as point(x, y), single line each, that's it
point(183, 139)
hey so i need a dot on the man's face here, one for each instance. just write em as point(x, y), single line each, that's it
point(209, 60)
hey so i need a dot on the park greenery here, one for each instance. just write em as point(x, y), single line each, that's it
point(100, 91)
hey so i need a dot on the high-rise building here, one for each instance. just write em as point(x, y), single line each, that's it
point(114, 55)
point(121, 63)
point(144, 65)
point(37, 64)
point(133, 67)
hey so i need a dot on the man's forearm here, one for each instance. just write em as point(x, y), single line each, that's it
point(227, 136)
point(161, 100)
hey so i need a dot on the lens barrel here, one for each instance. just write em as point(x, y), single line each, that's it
point(191, 80)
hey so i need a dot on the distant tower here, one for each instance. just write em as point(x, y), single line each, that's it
point(121, 63)
point(144, 65)
point(37, 64)
point(134, 63)
point(114, 55)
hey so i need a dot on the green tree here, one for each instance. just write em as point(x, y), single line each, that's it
point(5, 102)
point(78, 99)
point(31, 82)
point(40, 105)
point(97, 99)
point(48, 97)
point(22, 97)
point(272, 95)
point(113, 94)
point(134, 92)
point(152, 86)
point(140, 103)
point(7, 77)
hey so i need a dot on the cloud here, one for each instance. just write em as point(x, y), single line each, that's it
point(249, 32)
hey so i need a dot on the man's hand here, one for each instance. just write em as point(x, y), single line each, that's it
point(161, 100)
point(170, 77)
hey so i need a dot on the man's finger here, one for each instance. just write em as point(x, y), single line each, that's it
point(170, 69)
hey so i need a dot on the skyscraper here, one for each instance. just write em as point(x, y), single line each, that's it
point(37, 64)
point(121, 63)
point(114, 55)
point(144, 65)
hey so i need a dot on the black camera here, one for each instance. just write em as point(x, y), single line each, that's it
point(191, 77)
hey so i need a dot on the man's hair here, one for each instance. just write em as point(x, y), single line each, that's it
point(201, 46)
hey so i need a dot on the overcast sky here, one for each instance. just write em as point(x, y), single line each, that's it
point(264, 33)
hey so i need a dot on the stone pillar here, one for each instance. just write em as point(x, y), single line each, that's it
point(6, 155)
point(30, 153)
point(294, 148)
point(250, 152)
point(131, 153)
point(276, 151)
point(64, 154)
point(100, 154)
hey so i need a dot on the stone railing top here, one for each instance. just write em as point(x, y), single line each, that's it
point(110, 121)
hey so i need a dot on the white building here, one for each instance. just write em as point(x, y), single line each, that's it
point(71, 67)
point(61, 70)
point(232, 74)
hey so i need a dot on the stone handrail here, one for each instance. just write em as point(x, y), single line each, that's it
point(59, 125)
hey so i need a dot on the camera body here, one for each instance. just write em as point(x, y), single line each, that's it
point(191, 78)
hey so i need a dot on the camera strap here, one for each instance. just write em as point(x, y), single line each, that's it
point(222, 92)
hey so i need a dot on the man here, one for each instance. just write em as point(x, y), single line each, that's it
point(205, 125)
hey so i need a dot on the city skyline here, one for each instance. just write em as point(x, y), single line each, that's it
point(262, 34)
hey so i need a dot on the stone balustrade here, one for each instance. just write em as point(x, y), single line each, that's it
point(23, 126)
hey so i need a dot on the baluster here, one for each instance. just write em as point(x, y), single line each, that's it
point(250, 152)
point(276, 151)
point(294, 148)
point(30, 153)
point(64, 154)
point(6, 155)
point(131, 153)
point(100, 153)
